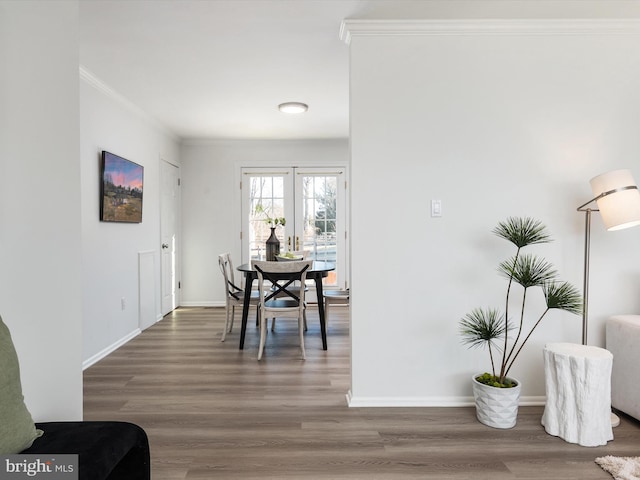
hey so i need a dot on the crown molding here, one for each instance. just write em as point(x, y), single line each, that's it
point(109, 92)
point(350, 28)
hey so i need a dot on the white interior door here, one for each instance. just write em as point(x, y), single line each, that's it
point(169, 208)
point(313, 202)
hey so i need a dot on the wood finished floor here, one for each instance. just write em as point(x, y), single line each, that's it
point(213, 411)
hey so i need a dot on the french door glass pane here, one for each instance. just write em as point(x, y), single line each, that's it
point(319, 199)
point(266, 199)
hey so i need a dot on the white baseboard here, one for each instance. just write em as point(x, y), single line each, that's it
point(111, 348)
point(427, 401)
point(203, 303)
point(532, 401)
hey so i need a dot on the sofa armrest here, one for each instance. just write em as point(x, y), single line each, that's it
point(623, 341)
point(106, 450)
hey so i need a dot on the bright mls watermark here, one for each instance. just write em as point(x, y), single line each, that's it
point(49, 467)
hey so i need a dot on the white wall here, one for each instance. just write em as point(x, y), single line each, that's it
point(211, 201)
point(40, 218)
point(494, 126)
point(110, 250)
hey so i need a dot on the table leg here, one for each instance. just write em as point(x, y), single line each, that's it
point(248, 284)
point(323, 325)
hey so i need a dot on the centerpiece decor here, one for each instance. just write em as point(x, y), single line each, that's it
point(491, 328)
point(272, 245)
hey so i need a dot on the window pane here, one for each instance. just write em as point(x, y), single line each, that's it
point(266, 197)
point(278, 187)
point(320, 217)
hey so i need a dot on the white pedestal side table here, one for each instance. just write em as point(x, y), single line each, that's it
point(578, 388)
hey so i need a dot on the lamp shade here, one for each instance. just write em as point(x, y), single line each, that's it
point(619, 205)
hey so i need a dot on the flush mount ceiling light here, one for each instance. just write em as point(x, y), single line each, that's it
point(293, 107)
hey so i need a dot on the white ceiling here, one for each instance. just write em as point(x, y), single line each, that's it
point(219, 68)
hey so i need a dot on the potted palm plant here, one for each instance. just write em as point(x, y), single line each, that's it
point(496, 393)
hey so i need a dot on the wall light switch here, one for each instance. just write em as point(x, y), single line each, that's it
point(436, 208)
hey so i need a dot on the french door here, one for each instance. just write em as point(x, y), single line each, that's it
point(313, 203)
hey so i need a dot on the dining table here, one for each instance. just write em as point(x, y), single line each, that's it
point(318, 271)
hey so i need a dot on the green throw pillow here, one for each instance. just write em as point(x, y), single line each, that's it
point(17, 430)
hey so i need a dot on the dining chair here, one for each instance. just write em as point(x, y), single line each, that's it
point(334, 297)
point(234, 295)
point(276, 300)
point(293, 288)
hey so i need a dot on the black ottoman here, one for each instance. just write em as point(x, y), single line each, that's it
point(106, 450)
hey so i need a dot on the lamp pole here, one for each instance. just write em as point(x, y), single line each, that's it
point(585, 284)
point(622, 211)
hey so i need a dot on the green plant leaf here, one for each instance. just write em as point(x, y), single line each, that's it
point(495, 381)
point(563, 296)
point(480, 327)
point(522, 231)
point(528, 271)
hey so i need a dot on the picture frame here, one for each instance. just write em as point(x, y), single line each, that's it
point(121, 189)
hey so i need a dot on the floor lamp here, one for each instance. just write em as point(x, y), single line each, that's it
point(618, 201)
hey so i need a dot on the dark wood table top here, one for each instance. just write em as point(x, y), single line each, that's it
point(318, 266)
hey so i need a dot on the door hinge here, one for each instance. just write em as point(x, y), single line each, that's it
point(240, 184)
point(179, 182)
point(240, 234)
point(179, 285)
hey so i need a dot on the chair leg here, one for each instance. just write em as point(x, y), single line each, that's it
point(326, 314)
point(226, 324)
point(273, 324)
point(233, 314)
point(263, 334)
point(301, 332)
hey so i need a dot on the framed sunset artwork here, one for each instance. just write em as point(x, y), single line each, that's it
point(121, 189)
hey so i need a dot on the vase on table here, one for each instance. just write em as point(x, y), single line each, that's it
point(273, 246)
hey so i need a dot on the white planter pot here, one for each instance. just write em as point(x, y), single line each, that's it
point(496, 407)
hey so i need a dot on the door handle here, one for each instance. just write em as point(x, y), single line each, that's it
point(165, 245)
point(297, 243)
point(289, 244)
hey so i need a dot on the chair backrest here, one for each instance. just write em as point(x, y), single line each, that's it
point(281, 275)
point(226, 267)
